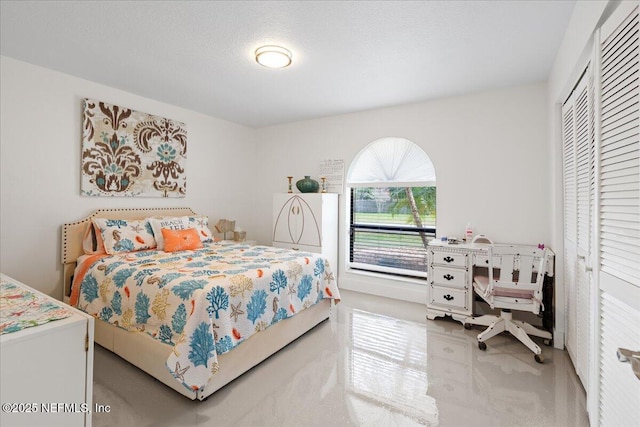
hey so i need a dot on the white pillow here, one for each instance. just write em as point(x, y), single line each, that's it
point(92, 241)
point(172, 223)
point(201, 224)
point(121, 235)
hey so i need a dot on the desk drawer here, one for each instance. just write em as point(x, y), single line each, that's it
point(448, 297)
point(450, 259)
point(483, 260)
point(452, 277)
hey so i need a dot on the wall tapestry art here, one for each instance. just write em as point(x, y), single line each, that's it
point(129, 153)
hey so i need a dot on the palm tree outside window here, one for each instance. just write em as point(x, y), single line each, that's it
point(392, 184)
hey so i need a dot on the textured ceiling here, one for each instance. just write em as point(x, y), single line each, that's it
point(347, 56)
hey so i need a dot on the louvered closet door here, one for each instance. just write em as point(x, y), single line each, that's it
point(570, 228)
point(584, 186)
point(578, 144)
point(619, 215)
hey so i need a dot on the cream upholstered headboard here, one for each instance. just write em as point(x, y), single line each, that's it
point(73, 233)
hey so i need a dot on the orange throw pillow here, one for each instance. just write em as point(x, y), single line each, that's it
point(181, 240)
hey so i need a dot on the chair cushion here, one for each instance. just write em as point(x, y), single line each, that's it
point(512, 293)
point(481, 283)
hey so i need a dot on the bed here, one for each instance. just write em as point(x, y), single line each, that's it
point(238, 304)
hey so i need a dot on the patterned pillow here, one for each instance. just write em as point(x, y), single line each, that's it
point(181, 240)
point(121, 235)
point(171, 223)
point(92, 241)
point(201, 224)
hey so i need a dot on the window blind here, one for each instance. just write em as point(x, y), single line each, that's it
point(392, 162)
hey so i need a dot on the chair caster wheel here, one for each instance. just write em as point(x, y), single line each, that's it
point(548, 342)
point(539, 358)
point(467, 326)
point(482, 345)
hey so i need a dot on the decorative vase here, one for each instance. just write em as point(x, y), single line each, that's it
point(307, 185)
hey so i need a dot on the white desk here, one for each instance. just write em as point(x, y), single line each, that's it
point(451, 267)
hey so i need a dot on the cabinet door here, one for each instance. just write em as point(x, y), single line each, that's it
point(46, 365)
point(297, 219)
point(578, 164)
point(619, 219)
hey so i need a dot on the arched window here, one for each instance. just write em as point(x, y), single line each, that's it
point(392, 183)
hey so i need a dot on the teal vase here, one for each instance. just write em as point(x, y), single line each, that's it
point(307, 185)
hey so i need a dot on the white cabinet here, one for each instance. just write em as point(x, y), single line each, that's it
point(307, 222)
point(48, 369)
point(450, 279)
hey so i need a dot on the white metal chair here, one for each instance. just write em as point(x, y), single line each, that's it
point(514, 282)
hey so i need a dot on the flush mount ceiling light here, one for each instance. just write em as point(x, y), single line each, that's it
point(273, 56)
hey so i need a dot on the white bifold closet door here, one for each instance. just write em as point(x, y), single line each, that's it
point(579, 184)
point(618, 298)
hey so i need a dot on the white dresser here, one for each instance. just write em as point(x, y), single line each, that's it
point(47, 370)
point(450, 280)
point(307, 222)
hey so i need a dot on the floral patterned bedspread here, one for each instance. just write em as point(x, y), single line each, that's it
point(203, 302)
point(20, 308)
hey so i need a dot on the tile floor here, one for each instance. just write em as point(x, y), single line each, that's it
point(376, 362)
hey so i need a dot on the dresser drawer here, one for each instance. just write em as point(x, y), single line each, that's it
point(483, 260)
point(448, 297)
point(450, 259)
point(455, 278)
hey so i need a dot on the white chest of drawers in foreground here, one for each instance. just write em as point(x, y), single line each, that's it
point(47, 370)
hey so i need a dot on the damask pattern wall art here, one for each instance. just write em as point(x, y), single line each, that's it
point(130, 153)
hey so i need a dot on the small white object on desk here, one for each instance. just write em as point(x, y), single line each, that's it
point(468, 233)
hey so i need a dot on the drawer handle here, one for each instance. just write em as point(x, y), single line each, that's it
point(448, 277)
point(448, 259)
point(448, 297)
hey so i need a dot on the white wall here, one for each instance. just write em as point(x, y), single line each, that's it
point(40, 145)
point(489, 150)
point(571, 60)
